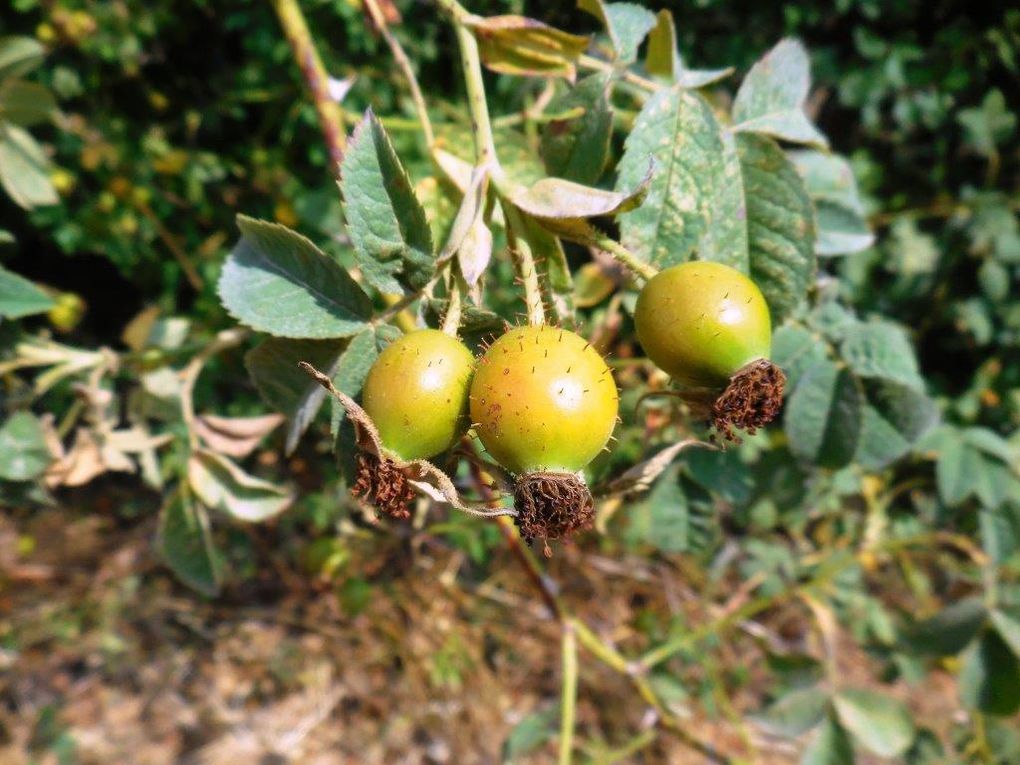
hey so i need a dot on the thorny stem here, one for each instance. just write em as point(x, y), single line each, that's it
point(379, 19)
point(331, 120)
point(520, 249)
point(568, 694)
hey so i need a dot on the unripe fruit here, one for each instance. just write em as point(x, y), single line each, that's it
point(543, 400)
point(708, 326)
point(701, 322)
point(417, 393)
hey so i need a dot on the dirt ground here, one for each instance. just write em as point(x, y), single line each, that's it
point(104, 658)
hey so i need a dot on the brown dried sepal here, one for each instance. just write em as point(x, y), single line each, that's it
point(552, 505)
point(382, 482)
point(751, 400)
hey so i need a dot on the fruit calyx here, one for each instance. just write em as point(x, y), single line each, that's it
point(552, 505)
point(380, 481)
point(752, 399)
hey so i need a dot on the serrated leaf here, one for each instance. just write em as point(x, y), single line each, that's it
point(881, 349)
point(823, 416)
point(26, 103)
point(990, 676)
point(523, 46)
point(19, 297)
point(771, 98)
point(829, 746)
point(794, 713)
point(894, 418)
point(727, 239)
point(221, 484)
point(24, 169)
point(677, 132)
point(19, 56)
point(794, 349)
point(962, 470)
point(1008, 629)
point(664, 59)
point(880, 723)
point(839, 214)
point(780, 225)
point(185, 543)
point(273, 366)
point(626, 23)
point(277, 281)
point(577, 148)
point(385, 220)
point(24, 454)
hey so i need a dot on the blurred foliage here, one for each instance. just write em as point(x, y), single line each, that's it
point(171, 118)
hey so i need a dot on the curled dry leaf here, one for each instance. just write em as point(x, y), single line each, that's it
point(235, 436)
point(641, 476)
point(422, 474)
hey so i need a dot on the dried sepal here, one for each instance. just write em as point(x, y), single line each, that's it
point(552, 505)
point(752, 399)
point(385, 479)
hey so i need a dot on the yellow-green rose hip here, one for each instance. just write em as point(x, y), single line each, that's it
point(708, 326)
point(544, 404)
point(417, 393)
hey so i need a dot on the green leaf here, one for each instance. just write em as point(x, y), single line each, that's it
point(530, 733)
point(794, 713)
point(222, 484)
point(990, 676)
point(24, 169)
point(839, 214)
point(823, 416)
point(829, 746)
point(677, 132)
point(880, 723)
point(1008, 629)
point(26, 103)
point(523, 46)
point(963, 469)
point(185, 543)
point(989, 442)
point(662, 519)
point(351, 370)
point(385, 220)
point(881, 349)
point(780, 226)
point(559, 199)
point(794, 349)
point(277, 281)
point(664, 59)
point(894, 418)
point(23, 451)
point(989, 125)
point(19, 56)
point(19, 297)
point(273, 365)
point(771, 98)
point(577, 148)
point(626, 23)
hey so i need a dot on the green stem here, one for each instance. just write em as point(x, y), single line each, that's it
point(379, 19)
point(590, 62)
point(471, 65)
point(626, 257)
point(568, 697)
point(331, 120)
point(520, 249)
point(451, 322)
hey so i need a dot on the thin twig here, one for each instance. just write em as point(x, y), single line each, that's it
point(568, 694)
point(331, 119)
